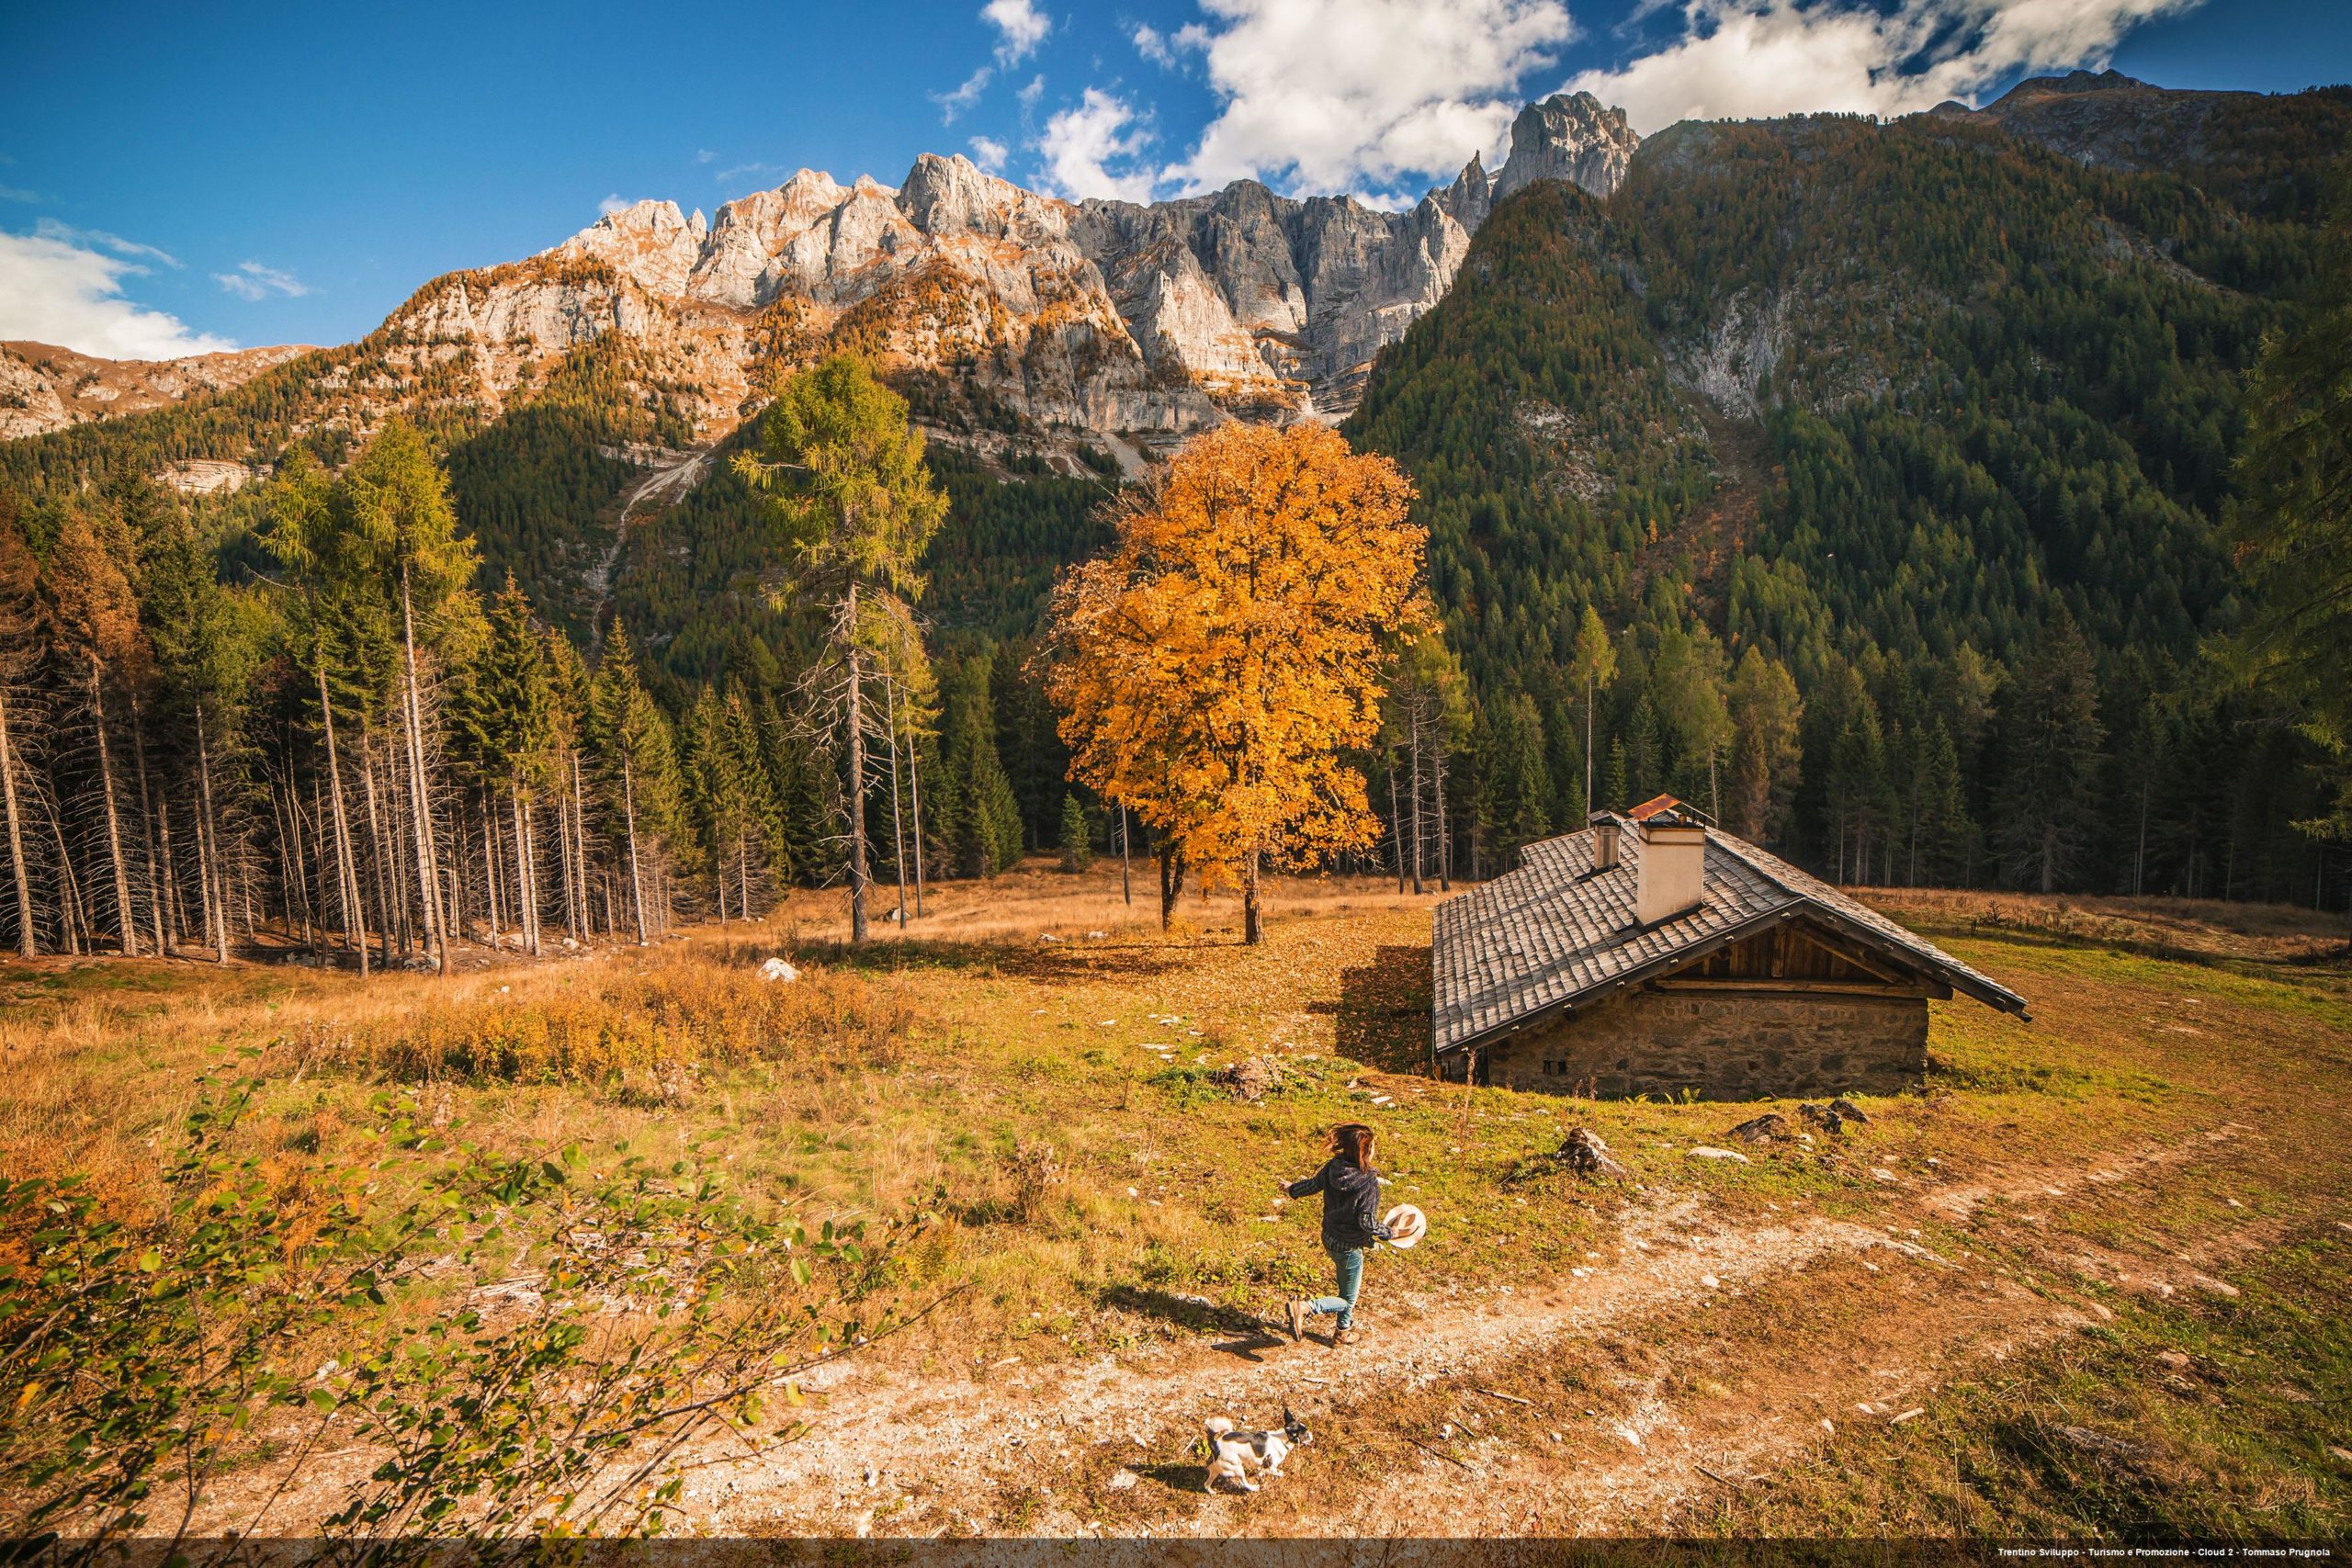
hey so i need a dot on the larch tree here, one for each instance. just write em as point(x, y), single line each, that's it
point(843, 473)
point(403, 523)
point(1429, 711)
point(96, 617)
point(1211, 670)
point(1592, 665)
point(1766, 719)
point(638, 760)
point(19, 621)
point(508, 721)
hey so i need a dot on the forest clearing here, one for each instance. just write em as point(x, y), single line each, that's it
point(2091, 1280)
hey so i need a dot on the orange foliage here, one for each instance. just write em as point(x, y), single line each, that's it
point(1212, 667)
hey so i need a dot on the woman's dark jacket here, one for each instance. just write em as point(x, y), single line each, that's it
point(1350, 1205)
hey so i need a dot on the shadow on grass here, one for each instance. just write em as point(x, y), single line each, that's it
point(1175, 1477)
point(1062, 963)
point(1382, 1018)
point(1192, 1312)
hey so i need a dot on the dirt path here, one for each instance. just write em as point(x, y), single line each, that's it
point(1105, 1448)
point(1101, 1448)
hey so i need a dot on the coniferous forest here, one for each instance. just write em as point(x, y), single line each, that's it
point(1888, 491)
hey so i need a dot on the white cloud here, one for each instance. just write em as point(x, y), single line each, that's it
point(1081, 144)
point(18, 193)
point(617, 202)
point(50, 229)
point(253, 281)
point(1021, 26)
point(1152, 44)
point(989, 153)
point(53, 290)
point(964, 98)
point(1749, 59)
point(1033, 92)
point(1329, 95)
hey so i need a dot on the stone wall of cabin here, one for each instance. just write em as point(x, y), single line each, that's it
point(1734, 1045)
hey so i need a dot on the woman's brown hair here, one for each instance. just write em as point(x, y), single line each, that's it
point(1351, 1141)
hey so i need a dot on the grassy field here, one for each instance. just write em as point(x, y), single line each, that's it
point(2092, 1280)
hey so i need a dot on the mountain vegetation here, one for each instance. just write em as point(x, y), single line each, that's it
point(1896, 459)
point(1927, 503)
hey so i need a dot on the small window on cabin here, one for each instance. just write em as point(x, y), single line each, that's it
point(1556, 1069)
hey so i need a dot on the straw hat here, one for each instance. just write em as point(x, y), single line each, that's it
point(1408, 1223)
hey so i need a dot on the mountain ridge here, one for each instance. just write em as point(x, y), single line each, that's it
point(1077, 319)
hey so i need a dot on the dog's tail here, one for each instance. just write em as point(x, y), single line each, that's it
point(1218, 1426)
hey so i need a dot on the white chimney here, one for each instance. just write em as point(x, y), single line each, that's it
point(1672, 877)
point(1604, 842)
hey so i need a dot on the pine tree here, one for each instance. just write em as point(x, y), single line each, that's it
point(2294, 530)
point(1765, 748)
point(402, 525)
point(637, 761)
point(2051, 740)
point(844, 472)
point(1077, 836)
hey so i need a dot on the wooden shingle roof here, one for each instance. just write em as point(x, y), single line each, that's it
point(1555, 934)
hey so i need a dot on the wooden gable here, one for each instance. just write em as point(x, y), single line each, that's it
point(1802, 955)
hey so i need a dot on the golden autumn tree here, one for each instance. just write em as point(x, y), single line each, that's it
point(1211, 669)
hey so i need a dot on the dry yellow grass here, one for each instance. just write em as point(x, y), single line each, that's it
point(1052, 1103)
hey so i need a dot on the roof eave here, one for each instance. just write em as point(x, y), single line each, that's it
point(1996, 997)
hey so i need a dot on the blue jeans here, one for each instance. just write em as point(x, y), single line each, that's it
point(1349, 1264)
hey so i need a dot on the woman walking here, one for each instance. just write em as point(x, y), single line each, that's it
point(1350, 1189)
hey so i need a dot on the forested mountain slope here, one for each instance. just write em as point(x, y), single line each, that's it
point(1960, 414)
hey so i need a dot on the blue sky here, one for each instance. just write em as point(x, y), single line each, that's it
point(175, 178)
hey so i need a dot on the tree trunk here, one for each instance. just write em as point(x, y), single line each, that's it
point(1171, 881)
point(292, 871)
point(379, 859)
point(490, 870)
point(347, 892)
point(857, 874)
point(1395, 818)
point(1444, 827)
point(527, 887)
point(127, 927)
point(216, 895)
point(1418, 841)
point(629, 823)
point(158, 922)
point(580, 843)
point(27, 943)
point(1588, 743)
point(1253, 929)
point(70, 918)
point(914, 798)
point(898, 832)
point(1126, 888)
point(428, 879)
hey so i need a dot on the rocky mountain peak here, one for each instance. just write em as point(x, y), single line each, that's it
point(1574, 138)
point(951, 195)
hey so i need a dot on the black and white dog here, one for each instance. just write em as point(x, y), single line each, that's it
point(1233, 1452)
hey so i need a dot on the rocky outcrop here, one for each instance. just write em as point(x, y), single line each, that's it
point(45, 388)
point(1573, 138)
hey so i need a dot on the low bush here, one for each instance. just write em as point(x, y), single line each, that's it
point(684, 1014)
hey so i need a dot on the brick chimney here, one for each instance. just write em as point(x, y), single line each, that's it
point(1671, 878)
point(1604, 841)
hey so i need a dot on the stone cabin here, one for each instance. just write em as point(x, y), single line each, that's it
point(1651, 954)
